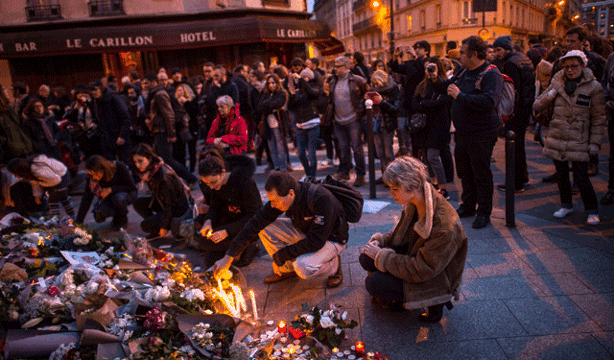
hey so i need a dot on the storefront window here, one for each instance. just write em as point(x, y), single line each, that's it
point(43, 10)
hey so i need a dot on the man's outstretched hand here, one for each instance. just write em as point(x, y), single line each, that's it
point(222, 265)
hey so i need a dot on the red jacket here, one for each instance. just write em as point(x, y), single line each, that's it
point(235, 133)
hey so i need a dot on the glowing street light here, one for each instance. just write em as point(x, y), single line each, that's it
point(376, 4)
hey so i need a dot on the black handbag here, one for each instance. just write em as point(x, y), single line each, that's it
point(417, 123)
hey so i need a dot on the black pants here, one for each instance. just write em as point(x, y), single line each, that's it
point(472, 154)
point(115, 205)
point(213, 252)
point(519, 127)
point(580, 178)
point(164, 149)
point(381, 285)
point(151, 211)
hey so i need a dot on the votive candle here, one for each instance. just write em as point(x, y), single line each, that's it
point(360, 348)
point(282, 327)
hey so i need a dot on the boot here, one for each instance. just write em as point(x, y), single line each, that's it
point(337, 278)
point(435, 313)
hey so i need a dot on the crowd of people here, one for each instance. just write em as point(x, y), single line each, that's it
point(145, 129)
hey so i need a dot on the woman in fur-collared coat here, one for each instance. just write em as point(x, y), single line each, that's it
point(420, 263)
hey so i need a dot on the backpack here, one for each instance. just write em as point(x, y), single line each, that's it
point(350, 198)
point(508, 96)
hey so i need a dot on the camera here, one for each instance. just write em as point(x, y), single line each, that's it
point(431, 68)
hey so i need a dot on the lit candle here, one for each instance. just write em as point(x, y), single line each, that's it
point(291, 350)
point(241, 305)
point(219, 284)
point(282, 327)
point(360, 348)
point(254, 308)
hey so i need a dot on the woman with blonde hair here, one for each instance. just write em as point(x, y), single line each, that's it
point(420, 263)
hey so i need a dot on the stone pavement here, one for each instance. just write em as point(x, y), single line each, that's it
point(541, 290)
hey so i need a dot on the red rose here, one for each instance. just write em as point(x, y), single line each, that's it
point(53, 291)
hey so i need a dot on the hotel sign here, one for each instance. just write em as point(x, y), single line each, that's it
point(159, 36)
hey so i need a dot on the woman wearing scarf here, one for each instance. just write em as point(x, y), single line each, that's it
point(385, 95)
point(170, 197)
point(112, 183)
point(434, 139)
point(576, 129)
point(420, 263)
point(40, 126)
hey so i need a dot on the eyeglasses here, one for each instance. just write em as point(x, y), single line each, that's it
point(573, 66)
point(339, 66)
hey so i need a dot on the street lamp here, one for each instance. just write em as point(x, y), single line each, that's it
point(390, 35)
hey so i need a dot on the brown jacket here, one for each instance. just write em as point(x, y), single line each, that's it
point(433, 267)
point(577, 121)
point(161, 113)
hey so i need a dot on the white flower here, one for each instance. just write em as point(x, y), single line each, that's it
point(326, 322)
point(327, 313)
point(309, 319)
point(193, 294)
point(128, 335)
point(108, 264)
point(158, 294)
point(91, 288)
point(338, 331)
point(344, 316)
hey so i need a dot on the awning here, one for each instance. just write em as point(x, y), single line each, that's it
point(329, 46)
point(165, 36)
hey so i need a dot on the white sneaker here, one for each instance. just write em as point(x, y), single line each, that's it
point(593, 219)
point(562, 212)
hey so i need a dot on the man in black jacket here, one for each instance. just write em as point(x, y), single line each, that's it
point(475, 118)
point(520, 69)
point(308, 244)
point(113, 119)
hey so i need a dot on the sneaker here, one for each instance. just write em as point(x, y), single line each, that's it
point(608, 198)
point(593, 219)
point(562, 212)
point(445, 194)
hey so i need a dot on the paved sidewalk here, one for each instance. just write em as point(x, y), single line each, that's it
point(541, 290)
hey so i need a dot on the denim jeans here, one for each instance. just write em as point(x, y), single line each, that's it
point(434, 161)
point(349, 137)
point(116, 205)
point(382, 285)
point(278, 152)
point(383, 147)
point(307, 143)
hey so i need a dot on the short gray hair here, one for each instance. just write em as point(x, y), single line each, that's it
point(225, 100)
point(343, 60)
point(406, 172)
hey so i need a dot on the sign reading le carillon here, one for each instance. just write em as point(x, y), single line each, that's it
point(158, 36)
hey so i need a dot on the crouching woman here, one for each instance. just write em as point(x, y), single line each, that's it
point(420, 263)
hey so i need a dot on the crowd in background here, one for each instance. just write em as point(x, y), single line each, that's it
point(113, 124)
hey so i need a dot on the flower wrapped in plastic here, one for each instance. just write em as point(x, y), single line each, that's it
point(327, 326)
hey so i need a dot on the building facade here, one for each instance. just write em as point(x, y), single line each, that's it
point(436, 21)
point(601, 14)
point(66, 42)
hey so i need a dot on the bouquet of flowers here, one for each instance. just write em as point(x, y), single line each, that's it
point(214, 339)
point(327, 326)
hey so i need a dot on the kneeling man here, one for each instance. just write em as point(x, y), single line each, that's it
point(307, 243)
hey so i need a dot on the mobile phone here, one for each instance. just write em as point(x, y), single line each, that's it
point(371, 94)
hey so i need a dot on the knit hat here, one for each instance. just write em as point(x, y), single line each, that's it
point(504, 42)
point(574, 54)
point(307, 73)
point(453, 53)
